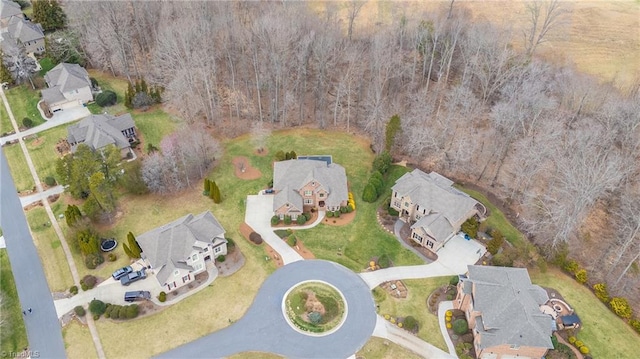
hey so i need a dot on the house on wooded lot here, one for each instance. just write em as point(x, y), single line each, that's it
point(301, 185)
point(435, 209)
point(98, 131)
point(503, 310)
point(69, 86)
point(180, 250)
point(26, 34)
point(8, 10)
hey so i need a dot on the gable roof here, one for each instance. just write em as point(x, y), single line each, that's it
point(167, 247)
point(288, 195)
point(67, 77)
point(510, 308)
point(436, 226)
point(24, 30)
point(434, 193)
point(98, 131)
point(9, 9)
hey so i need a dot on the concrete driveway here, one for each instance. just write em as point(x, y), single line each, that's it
point(458, 253)
point(258, 216)
point(59, 118)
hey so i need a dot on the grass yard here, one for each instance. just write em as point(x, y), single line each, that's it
point(13, 336)
point(496, 219)
point(49, 249)
point(43, 151)
point(154, 124)
point(108, 82)
point(5, 121)
point(378, 348)
point(18, 166)
point(78, 342)
point(606, 335)
point(415, 305)
point(24, 101)
point(46, 64)
point(226, 298)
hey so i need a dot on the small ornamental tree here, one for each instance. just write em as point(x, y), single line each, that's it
point(369, 194)
point(601, 292)
point(571, 266)
point(496, 242)
point(106, 98)
point(79, 310)
point(382, 162)
point(72, 215)
point(215, 192)
point(97, 307)
point(470, 227)
point(410, 323)
point(280, 156)
point(393, 127)
point(133, 245)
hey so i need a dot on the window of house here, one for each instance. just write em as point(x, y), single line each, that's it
point(406, 204)
point(307, 193)
point(185, 278)
point(417, 217)
point(430, 244)
point(281, 216)
point(313, 184)
point(206, 249)
point(308, 201)
point(217, 250)
point(194, 257)
point(396, 203)
point(197, 267)
point(321, 195)
point(287, 204)
point(416, 236)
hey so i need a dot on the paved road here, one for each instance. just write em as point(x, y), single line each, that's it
point(263, 328)
point(43, 327)
point(59, 118)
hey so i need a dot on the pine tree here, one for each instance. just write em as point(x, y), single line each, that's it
point(134, 248)
point(206, 186)
point(143, 86)
point(369, 193)
point(128, 96)
point(215, 192)
point(127, 251)
point(138, 87)
point(49, 14)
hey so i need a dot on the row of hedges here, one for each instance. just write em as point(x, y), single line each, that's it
point(579, 345)
point(114, 311)
point(283, 156)
point(300, 220)
point(374, 187)
point(409, 323)
point(618, 305)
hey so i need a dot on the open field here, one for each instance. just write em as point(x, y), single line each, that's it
point(415, 305)
point(19, 169)
point(13, 336)
point(78, 342)
point(49, 249)
point(603, 332)
point(24, 101)
point(597, 37)
point(378, 348)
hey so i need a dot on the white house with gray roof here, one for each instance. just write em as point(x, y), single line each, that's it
point(99, 131)
point(26, 34)
point(180, 250)
point(503, 310)
point(69, 86)
point(434, 208)
point(304, 184)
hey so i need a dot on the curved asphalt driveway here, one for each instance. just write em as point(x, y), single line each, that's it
point(43, 328)
point(264, 328)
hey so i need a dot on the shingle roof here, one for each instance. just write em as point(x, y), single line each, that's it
point(167, 247)
point(52, 95)
point(436, 225)
point(287, 195)
point(295, 174)
point(24, 30)
point(98, 131)
point(9, 8)
point(68, 77)
point(510, 308)
point(434, 193)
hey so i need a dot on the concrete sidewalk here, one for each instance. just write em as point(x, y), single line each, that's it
point(386, 330)
point(442, 310)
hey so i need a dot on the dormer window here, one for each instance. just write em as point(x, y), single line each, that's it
point(313, 184)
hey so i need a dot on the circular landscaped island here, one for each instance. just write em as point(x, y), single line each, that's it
point(315, 308)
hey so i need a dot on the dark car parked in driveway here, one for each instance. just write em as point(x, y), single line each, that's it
point(136, 295)
point(122, 272)
point(132, 277)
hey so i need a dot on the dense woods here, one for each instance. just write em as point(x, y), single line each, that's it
point(559, 148)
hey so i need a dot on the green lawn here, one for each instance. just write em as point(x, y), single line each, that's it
point(154, 124)
point(24, 102)
point(50, 249)
point(415, 305)
point(496, 218)
point(78, 342)
point(13, 336)
point(18, 166)
point(603, 332)
point(115, 84)
point(5, 121)
point(43, 151)
point(46, 64)
point(378, 348)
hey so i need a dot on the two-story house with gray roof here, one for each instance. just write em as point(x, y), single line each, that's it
point(99, 131)
point(503, 310)
point(8, 10)
point(27, 35)
point(304, 184)
point(180, 250)
point(69, 86)
point(434, 208)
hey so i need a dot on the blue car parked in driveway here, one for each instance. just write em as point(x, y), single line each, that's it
point(122, 272)
point(132, 277)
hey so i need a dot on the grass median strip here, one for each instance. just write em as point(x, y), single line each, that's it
point(13, 336)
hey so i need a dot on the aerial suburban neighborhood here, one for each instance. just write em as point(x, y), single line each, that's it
point(319, 179)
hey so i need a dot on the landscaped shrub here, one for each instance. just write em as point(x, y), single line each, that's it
point(460, 326)
point(448, 325)
point(377, 184)
point(369, 194)
point(162, 297)
point(470, 227)
point(601, 292)
point(280, 156)
point(572, 340)
point(343, 209)
point(336, 214)
point(571, 266)
point(132, 311)
point(221, 258)
point(88, 282)
point(93, 260)
point(621, 307)
point(73, 290)
point(94, 82)
point(287, 220)
point(384, 261)
point(301, 220)
point(393, 212)
point(581, 276)
point(112, 257)
point(635, 324)
point(329, 214)
point(584, 349)
point(230, 243)
point(27, 122)
point(454, 280)
point(106, 98)
point(496, 242)
point(382, 162)
point(96, 317)
point(579, 343)
point(50, 181)
point(255, 238)
point(79, 310)
point(275, 220)
point(410, 323)
point(97, 307)
point(292, 240)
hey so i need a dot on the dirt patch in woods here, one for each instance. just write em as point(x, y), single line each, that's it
point(243, 170)
point(345, 218)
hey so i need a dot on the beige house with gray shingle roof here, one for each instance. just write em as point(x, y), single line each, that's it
point(503, 310)
point(8, 10)
point(69, 86)
point(304, 184)
point(180, 250)
point(99, 131)
point(432, 206)
point(27, 34)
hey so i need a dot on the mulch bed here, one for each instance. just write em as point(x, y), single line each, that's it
point(345, 218)
point(243, 170)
